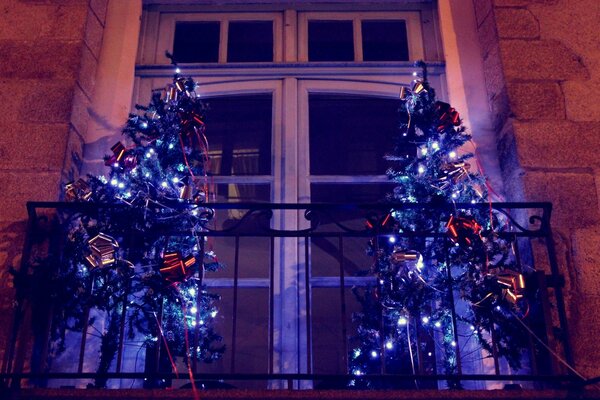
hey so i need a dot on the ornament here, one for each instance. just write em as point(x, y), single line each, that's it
point(175, 268)
point(130, 161)
point(448, 116)
point(118, 152)
point(407, 262)
point(452, 172)
point(419, 87)
point(512, 283)
point(462, 230)
point(199, 197)
point(103, 249)
point(171, 93)
point(78, 191)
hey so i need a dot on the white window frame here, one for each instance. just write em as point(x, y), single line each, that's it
point(291, 80)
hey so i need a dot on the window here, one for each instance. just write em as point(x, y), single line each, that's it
point(302, 106)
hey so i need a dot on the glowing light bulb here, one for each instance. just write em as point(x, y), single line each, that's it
point(424, 151)
point(389, 345)
point(357, 353)
point(144, 125)
point(435, 145)
point(455, 195)
point(430, 354)
point(177, 71)
point(421, 169)
point(472, 328)
point(213, 314)
point(415, 73)
point(192, 291)
point(453, 343)
point(194, 212)
point(374, 354)
point(171, 145)
point(114, 182)
point(148, 154)
point(175, 180)
point(147, 174)
point(425, 320)
point(437, 324)
point(164, 184)
point(193, 310)
point(452, 154)
point(392, 239)
point(116, 165)
point(151, 151)
point(121, 185)
point(357, 372)
point(201, 322)
point(194, 323)
point(402, 321)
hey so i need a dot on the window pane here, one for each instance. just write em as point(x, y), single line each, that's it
point(349, 135)
point(250, 41)
point(384, 40)
point(239, 134)
point(196, 42)
point(330, 41)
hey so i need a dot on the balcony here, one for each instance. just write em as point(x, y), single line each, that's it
point(288, 301)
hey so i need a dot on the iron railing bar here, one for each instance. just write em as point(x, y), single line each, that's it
point(236, 266)
point(343, 303)
point(272, 306)
point(308, 289)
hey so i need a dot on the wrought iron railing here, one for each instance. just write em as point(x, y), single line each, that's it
point(315, 245)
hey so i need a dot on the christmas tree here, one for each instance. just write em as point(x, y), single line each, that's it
point(445, 274)
point(140, 256)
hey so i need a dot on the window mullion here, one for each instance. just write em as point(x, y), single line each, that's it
point(358, 50)
point(223, 41)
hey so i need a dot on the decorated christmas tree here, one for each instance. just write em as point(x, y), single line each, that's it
point(446, 274)
point(138, 253)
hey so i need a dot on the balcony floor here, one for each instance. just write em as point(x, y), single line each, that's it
point(142, 394)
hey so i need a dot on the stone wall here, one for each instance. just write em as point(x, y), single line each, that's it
point(542, 65)
point(49, 51)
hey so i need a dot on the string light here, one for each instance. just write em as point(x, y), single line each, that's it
point(452, 154)
point(425, 320)
point(402, 321)
point(114, 182)
point(193, 310)
point(374, 354)
point(421, 169)
point(392, 239)
point(389, 345)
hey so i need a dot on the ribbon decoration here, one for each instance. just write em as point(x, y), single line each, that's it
point(512, 283)
point(384, 224)
point(448, 116)
point(418, 87)
point(176, 269)
point(118, 153)
point(461, 230)
point(77, 191)
point(453, 172)
point(103, 251)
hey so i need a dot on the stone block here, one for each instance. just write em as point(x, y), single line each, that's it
point(48, 102)
point(522, 3)
point(73, 157)
point(482, 9)
point(87, 72)
point(584, 323)
point(34, 21)
point(557, 144)
point(586, 256)
point(93, 33)
point(536, 100)
point(488, 36)
point(516, 23)
point(99, 8)
point(20, 187)
point(36, 147)
point(573, 195)
point(80, 114)
point(582, 99)
point(42, 59)
point(540, 60)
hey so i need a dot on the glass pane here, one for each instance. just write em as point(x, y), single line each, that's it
point(349, 135)
point(384, 40)
point(254, 253)
point(250, 41)
point(325, 251)
point(239, 134)
point(196, 42)
point(330, 41)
